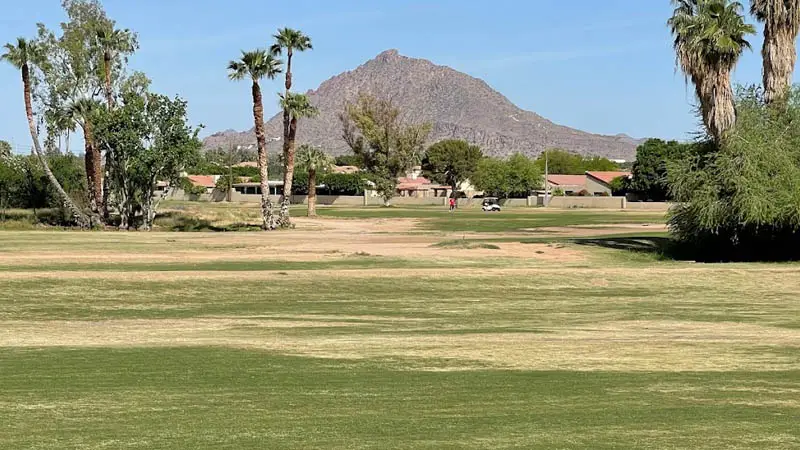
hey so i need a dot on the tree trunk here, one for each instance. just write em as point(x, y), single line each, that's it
point(288, 176)
point(780, 55)
point(109, 92)
point(94, 169)
point(717, 103)
point(263, 163)
point(312, 193)
point(288, 151)
point(82, 219)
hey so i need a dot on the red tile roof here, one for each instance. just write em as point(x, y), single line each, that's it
point(206, 181)
point(607, 177)
point(418, 180)
point(567, 180)
point(346, 169)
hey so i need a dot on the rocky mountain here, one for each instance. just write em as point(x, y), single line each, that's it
point(458, 106)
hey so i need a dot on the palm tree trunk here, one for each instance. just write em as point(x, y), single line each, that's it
point(717, 103)
point(288, 153)
point(312, 193)
point(94, 169)
point(109, 93)
point(288, 176)
point(82, 219)
point(263, 163)
point(780, 55)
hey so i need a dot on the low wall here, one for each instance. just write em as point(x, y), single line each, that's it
point(650, 206)
point(588, 202)
point(416, 201)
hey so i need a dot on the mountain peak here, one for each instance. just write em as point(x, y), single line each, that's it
point(388, 54)
point(457, 106)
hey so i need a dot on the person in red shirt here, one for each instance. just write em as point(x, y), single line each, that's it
point(452, 203)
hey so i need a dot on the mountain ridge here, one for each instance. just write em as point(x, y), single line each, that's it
point(456, 104)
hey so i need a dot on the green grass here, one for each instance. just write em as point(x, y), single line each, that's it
point(208, 398)
point(510, 220)
point(617, 350)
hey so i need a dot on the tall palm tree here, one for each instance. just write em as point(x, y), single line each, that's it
point(781, 19)
point(709, 39)
point(255, 65)
point(298, 106)
point(314, 161)
point(114, 42)
point(81, 112)
point(288, 40)
point(21, 55)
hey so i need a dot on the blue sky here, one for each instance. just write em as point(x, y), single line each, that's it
point(604, 67)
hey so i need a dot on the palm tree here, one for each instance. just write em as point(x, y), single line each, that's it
point(297, 106)
point(314, 161)
point(289, 40)
point(21, 56)
point(256, 65)
point(709, 39)
point(781, 19)
point(81, 112)
point(114, 42)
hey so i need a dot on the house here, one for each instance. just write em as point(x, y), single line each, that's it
point(569, 184)
point(250, 188)
point(247, 164)
point(599, 183)
point(415, 185)
point(209, 182)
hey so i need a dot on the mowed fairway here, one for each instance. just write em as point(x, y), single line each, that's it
point(399, 328)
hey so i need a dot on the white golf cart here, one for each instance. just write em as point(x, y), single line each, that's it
point(491, 204)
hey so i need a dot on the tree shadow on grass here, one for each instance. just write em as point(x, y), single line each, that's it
point(173, 221)
point(719, 251)
point(660, 247)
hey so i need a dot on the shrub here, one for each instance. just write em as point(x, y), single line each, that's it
point(741, 200)
point(605, 194)
point(584, 193)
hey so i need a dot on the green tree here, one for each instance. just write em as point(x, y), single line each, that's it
point(375, 132)
point(314, 161)
point(151, 142)
point(491, 177)
point(709, 39)
point(20, 55)
point(451, 162)
point(298, 106)
point(561, 162)
point(255, 65)
point(741, 200)
point(5, 149)
point(523, 175)
point(349, 160)
point(649, 181)
point(781, 19)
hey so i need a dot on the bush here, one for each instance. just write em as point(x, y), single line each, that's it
point(584, 193)
point(741, 200)
point(605, 194)
point(334, 184)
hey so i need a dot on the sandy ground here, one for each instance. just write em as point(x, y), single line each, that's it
point(312, 240)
